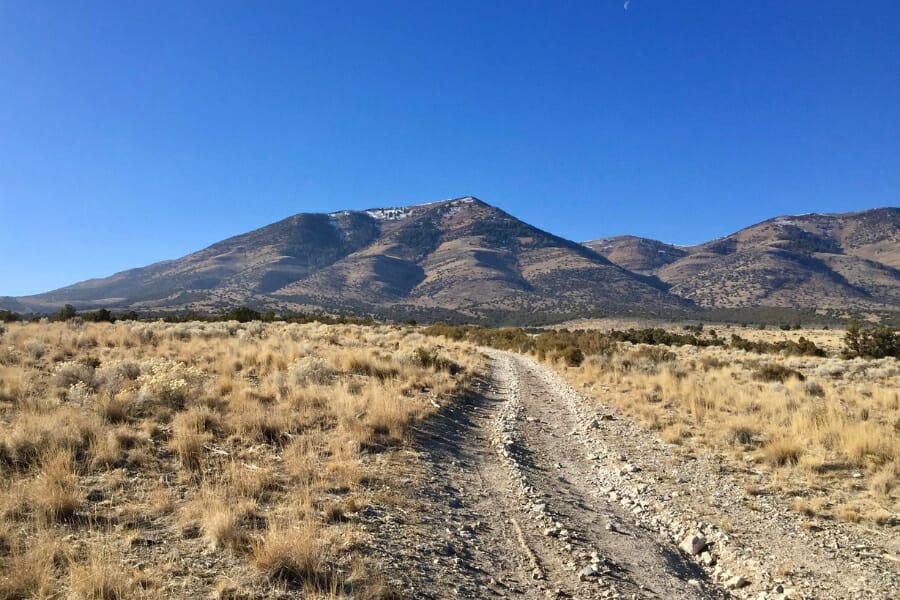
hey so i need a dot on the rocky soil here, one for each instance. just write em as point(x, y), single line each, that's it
point(526, 490)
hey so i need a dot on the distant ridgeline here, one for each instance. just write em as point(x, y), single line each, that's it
point(464, 261)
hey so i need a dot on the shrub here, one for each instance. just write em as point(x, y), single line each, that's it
point(168, 382)
point(67, 374)
point(430, 359)
point(877, 342)
point(98, 316)
point(66, 313)
point(573, 356)
point(35, 348)
point(9, 316)
point(311, 370)
point(242, 314)
point(776, 372)
point(801, 347)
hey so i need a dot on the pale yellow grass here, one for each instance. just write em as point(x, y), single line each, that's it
point(244, 451)
point(839, 430)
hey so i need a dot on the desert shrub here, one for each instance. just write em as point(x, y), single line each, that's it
point(656, 336)
point(79, 393)
point(776, 372)
point(242, 314)
point(311, 370)
point(114, 374)
point(573, 356)
point(801, 347)
point(35, 348)
point(98, 316)
point(874, 342)
point(653, 354)
point(431, 359)
point(69, 373)
point(66, 313)
point(510, 338)
point(7, 316)
point(168, 382)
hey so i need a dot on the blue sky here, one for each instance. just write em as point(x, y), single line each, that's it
point(132, 132)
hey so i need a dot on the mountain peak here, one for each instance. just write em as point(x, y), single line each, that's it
point(459, 257)
point(398, 213)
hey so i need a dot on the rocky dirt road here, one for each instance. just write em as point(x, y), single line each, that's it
point(527, 491)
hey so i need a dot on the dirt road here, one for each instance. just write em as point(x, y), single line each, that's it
point(527, 492)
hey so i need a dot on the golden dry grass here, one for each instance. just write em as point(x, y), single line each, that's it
point(836, 432)
point(204, 459)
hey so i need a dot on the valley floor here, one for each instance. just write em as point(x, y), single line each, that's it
point(275, 461)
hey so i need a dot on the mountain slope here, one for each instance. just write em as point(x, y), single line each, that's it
point(813, 261)
point(641, 255)
point(461, 255)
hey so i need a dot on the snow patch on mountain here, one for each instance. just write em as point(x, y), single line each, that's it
point(389, 214)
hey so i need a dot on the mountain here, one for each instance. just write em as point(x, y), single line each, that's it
point(838, 261)
point(458, 257)
point(637, 254)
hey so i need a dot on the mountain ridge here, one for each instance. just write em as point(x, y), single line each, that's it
point(814, 260)
point(465, 258)
point(460, 254)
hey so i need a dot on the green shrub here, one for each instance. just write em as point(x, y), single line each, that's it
point(66, 313)
point(7, 316)
point(874, 342)
point(802, 347)
point(242, 314)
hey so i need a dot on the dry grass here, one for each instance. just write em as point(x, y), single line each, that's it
point(198, 459)
point(101, 576)
point(292, 553)
point(56, 492)
point(831, 422)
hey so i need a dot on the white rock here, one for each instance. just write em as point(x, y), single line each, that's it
point(587, 572)
point(737, 582)
point(693, 544)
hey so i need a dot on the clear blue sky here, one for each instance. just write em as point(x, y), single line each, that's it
point(132, 132)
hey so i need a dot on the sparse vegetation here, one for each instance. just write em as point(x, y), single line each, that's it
point(129, 449)
point(825, 420)
point(778, 402)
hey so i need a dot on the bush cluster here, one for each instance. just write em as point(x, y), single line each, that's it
point(573, 346)
point(801, 347)
point(871, 342)
point(7, 316)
